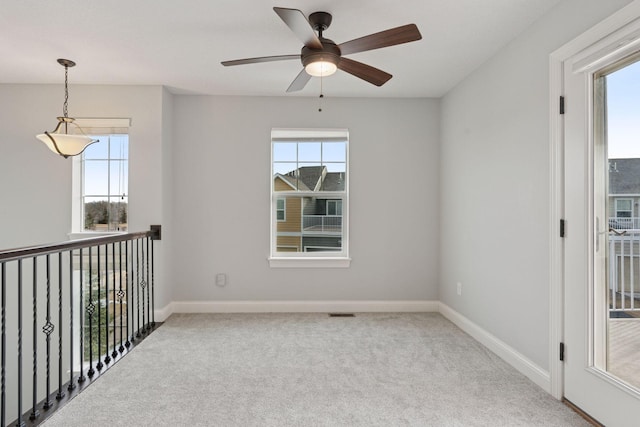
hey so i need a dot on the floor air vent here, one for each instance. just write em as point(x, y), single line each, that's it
point(342, 315)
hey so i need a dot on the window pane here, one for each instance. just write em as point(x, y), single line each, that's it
point(308, 226)
point(334, 152)
point(119, 147)
point(96, 214)
point(284, 168)
point(284, 152)
point(310, 152)
point(118, 214)
point(624, 205)
point(119, 178)
point(99, 150)
point(96, 177)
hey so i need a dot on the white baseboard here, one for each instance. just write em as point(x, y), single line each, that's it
point(163, 314)
point(510, 355)
point(300, 306)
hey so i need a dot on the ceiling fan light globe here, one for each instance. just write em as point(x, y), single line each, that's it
point(320, 68)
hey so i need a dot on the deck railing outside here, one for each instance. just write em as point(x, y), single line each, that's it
point(624, 223)
point(322, 223)
point(624, 271)
point(69, 311)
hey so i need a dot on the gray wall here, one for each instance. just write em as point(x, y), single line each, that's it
point(36, 183)
point(495, 183)
point(221, 198)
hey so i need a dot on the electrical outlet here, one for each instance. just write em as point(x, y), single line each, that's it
point(459, 288)
point(221, 280)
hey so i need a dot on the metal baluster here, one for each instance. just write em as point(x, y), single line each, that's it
point(114, 353)
point(107, 358)
point(121, 295)
point(3, 397)
point(129, 291)
point(90, 309)
point(34, 404)
point(138, 285)
point(48, 329)
point(99, 365)
point(148, 291)
point(20, 421)
point(72, 384)
point(143, 286)
point(81, 377)
point(153, 295)
point(60, 394)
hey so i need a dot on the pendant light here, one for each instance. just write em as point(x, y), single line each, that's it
point(60, 141)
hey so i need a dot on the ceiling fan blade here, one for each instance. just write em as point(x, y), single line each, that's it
point(299, 82)
point(364, 71)
point(300, 26)
point(404, 34)
point(259, 59)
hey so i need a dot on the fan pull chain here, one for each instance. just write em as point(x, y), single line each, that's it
point(320, 97)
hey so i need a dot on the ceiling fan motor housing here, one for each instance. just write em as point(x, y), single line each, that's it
point(330, 52)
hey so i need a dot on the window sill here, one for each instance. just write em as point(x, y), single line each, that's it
point(308, 262)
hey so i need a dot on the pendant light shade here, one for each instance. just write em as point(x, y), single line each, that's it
point(67, 139)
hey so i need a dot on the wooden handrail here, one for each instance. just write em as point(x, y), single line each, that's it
point(30, 251)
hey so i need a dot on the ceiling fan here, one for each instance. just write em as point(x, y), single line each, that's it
point(322, 57)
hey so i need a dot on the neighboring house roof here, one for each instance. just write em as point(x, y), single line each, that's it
point(333, 181)
point(624, 176)
point(314, 178)
point(292, 181)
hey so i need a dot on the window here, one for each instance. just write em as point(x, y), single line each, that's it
point(309, 197)
point(281, 210)
point(100, 177)
point(624, 208)
point(105, 174)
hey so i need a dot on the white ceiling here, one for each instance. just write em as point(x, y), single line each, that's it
point(180, 44)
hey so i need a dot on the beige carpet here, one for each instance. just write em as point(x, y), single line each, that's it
point(409, 369)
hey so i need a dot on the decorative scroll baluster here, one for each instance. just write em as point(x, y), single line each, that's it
point(48, 329)
point(138, 285)
point(81, 377)
point(148, 291)
point(120, 295)
point(129, 290)
point(60, 393)
point(72, 384)
point(107, 358)
point(20, 420)
point(114, 353)
point(3, 397)
point(143, 285)
point(34, 404)
point(99, 365)
point(90, 309)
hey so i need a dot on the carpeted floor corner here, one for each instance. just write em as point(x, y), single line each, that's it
point(393, 369)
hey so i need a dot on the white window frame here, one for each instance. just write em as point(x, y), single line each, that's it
point(329, 259)
point(92, 126)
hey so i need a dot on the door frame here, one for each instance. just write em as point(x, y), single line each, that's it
point(598, 44)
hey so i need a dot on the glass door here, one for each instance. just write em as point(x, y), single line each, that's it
point(602, 243)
